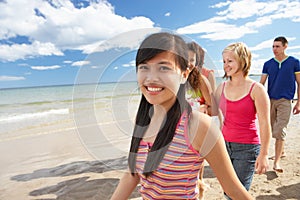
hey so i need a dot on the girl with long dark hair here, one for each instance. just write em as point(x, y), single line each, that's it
point(170, 141)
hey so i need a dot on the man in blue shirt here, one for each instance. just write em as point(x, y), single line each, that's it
point(282, 72)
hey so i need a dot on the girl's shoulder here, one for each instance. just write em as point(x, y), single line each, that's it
point(221, 85)
point(198, 126)
point(204, 133)
point(254, 84)
point(257, 90)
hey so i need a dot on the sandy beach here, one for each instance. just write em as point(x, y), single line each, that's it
point(44, 164)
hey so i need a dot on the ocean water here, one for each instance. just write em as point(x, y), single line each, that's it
point(47, 109)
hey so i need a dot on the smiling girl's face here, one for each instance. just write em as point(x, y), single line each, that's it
point(159, 79)
point(230, 63)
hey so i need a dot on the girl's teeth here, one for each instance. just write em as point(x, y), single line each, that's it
point(154, 89)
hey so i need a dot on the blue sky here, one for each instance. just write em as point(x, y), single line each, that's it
point(56, 42)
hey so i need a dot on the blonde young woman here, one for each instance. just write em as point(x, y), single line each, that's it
point(242, 101)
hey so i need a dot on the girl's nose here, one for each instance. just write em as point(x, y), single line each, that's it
point(152, 75)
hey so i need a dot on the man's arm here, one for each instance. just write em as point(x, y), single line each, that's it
point(263, 79)
point(296, 109)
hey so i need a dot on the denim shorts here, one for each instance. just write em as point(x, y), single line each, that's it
point(243, 157)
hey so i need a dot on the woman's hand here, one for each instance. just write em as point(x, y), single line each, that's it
point(261, 164)
point(203, 108)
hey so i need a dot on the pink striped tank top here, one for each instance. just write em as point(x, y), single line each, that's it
point(176, 175)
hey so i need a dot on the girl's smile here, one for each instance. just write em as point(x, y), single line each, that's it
point(154, 89)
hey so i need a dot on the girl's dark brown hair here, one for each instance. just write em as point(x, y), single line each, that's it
point(149, 48)
point(199, 52)
point(195, 80)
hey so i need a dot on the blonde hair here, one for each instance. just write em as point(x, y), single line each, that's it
point(242, 55)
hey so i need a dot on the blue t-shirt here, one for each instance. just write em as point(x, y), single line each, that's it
point(281, 77)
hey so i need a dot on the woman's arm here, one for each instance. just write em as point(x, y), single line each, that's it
point(205, 89)
point(216, 100)
point(262, 105)
point(208, 95)
point(208, 140)
point(220, 163)
point(212, 80)
point(126, 186)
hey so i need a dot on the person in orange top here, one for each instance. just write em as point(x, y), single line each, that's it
point(199, 88)
point(202, 91)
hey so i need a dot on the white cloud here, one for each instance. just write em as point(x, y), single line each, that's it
point(267, 44)
point(130, 39)
point(11, 78)
point(294, 47)
point(215, 30)
point(21, 51)
point(41, 68)
point(60, 25)
point(67, 61)
point(263, 45)
point(243, 9)
point(257, 65)
point(251, 15)
point(168, 14)
point(23, 64)
point(259, 22)
point(221, 4)
point(80, 63)
point(130, 64)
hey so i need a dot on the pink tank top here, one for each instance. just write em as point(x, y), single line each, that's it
point(239, 119)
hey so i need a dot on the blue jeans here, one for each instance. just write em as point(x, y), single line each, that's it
point(243, 157)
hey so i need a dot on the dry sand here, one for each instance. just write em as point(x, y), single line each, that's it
point(56, 165)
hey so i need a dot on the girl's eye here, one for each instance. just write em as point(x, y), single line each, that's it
point(165, 68)
point(227, 61)
point(142, 67)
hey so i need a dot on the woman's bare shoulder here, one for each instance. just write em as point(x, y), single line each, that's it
point(198, 127)
point(258, 88)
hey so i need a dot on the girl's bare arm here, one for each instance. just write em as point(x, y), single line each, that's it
point(262, 105)
point(126, 186)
